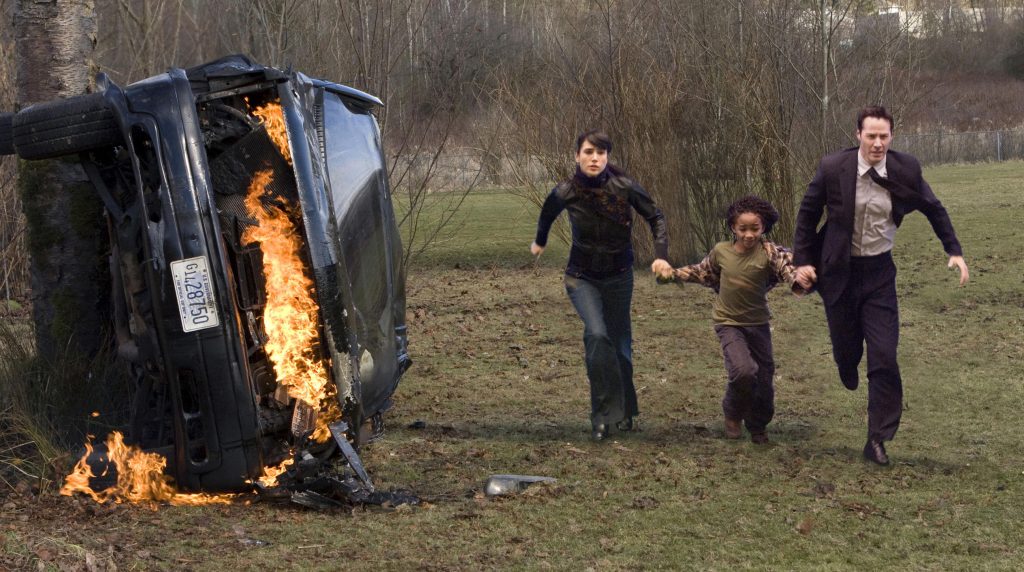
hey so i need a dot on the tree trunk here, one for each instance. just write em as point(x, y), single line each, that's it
point(54, 42)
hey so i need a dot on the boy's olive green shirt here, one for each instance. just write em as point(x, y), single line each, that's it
point(741, 280)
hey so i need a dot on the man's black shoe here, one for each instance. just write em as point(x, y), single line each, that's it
point(628, 424)
point(600, 432)
point(874, 451)
point(850, 379)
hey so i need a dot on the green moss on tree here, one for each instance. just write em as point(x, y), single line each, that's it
point(68, 244)
point(67, 312)
point(86, 216)
point(36, 196)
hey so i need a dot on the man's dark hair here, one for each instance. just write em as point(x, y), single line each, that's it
point(876, 111)
point(756, 205)
point(597, 137)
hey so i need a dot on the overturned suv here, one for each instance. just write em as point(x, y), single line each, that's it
point(232, 189)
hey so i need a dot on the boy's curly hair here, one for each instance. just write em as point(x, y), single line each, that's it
point(752, 204)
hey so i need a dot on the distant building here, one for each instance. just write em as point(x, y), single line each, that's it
point(918, 18)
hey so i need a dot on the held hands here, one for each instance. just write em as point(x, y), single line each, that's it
point(958, 261)
point(678, 275)
point(806, 276)
point(662, 269)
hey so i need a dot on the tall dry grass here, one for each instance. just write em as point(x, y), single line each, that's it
point(29, 446)
point(47, 408)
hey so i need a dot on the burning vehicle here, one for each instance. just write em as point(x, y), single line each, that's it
point(258, 287)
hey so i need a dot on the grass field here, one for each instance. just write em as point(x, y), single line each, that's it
point(499, 381)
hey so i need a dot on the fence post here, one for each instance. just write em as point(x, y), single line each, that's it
point(999, 145)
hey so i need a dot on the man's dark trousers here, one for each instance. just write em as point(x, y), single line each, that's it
point(867, 312)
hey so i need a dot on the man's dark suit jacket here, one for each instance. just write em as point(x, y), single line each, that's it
point(833, 190)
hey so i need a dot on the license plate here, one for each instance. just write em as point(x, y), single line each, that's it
point(194, 289)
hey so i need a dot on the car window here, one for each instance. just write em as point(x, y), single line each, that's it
point(352, 151)
point(357, 177)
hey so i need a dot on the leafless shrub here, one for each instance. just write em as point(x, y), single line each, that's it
point(13, 257)
point(706, 100)
point(679, 110)
point(421, 57)
point(13, 279)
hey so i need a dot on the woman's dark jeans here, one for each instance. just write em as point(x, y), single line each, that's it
point(603, 305)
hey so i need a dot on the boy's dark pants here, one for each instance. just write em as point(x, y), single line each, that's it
point(750, 393)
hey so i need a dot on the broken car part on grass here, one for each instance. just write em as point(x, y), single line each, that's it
point(256, 266)
point(503, 485)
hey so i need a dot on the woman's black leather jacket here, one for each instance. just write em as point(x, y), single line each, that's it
point(602, 224)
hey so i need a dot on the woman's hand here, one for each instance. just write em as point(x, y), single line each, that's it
point(536, 249)
point(662, 269)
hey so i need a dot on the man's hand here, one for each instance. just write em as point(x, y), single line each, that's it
point(958, 261)
point(536, 249)
point(662, 269)
point(806, 276)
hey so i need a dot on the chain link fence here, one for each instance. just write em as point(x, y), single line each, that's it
point(968, 147)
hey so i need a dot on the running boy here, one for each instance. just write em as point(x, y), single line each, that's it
point(741, 272)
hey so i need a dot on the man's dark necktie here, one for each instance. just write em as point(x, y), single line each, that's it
point(901, 192)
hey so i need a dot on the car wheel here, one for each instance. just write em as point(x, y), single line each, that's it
point(6, 136)
point(65, 127)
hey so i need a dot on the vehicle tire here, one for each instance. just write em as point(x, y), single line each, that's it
point(65, 127)
point(6, 134)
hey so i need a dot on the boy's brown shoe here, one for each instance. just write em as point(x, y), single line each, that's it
point(759, 438)
point(733, 429)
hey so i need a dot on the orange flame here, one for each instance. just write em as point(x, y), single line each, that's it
point(140, 478)
point(290, 315)
point(270, 474)
point(272, 117)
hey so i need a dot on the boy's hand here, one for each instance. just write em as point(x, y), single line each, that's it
point(662, 269)
point(536, 249)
